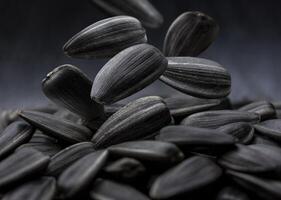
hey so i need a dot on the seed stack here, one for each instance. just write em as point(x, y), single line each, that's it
point(90, 146)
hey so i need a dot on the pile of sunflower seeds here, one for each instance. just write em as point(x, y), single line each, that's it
point(88, 145)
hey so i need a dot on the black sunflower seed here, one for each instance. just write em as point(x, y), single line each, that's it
point(80, 174)
point(43, 188)
point(137, 119)
point(106, 38)
point(129, 71)
point(46, 148)
point(141, 9)
point(215, 119)
point(13, 136)
point(270, 128)
point(190, 34)
point(190, 175)
point(259, 139)
point(113, 108)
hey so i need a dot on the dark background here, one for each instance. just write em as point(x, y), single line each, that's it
point(32, 33)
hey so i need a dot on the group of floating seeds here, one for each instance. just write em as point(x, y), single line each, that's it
point(88, 145)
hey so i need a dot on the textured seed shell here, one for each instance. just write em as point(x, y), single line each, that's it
point(196, 77)
point(270, 128)
point(265, 109)
point(242, 131)
point(40, 137)
point(232, 193)
point(20, 165)
point(190, 34)
point(215, 119)
point(137, 119)
point(113, 108)
point(58, 128)
point(48, 149)
point(190, 137)
point(43, 188)
point(146, 150)
point(80, 174)
point(106, 38)
point(69, 87)
point(188, 176)
point(265, 188)
point(127, 73)
point(13, 136)
point(105, 189)
point(141, 9)
point(67, 156)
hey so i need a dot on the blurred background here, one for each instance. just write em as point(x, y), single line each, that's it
point(33, 32)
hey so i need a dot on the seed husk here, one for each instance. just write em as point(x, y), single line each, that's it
point(265, 109)
point(143, 10)
point(216, 119)
point(80, 174)
point(192, 76)
point(106, 189)
point(60, 161)
point(20, 165)
point(106, 38)
point(40, 137)
point(193, 137)
point(270, 128)
point(265, 188)
point(190, 34)
point(70, 88)
point(242, 131)
point(61, 129)
point(146, 150)
point(190, 175)
point(129, 72)
point(43, 188)
point(14, 135)
point(136, 120)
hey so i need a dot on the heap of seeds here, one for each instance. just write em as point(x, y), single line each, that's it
point(87, 145)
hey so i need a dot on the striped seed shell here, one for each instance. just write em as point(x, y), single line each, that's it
point(43, 188)
point(136, 120)
point(128, 72)
point(270, 128)
point(188, 176)
point(63, 159)
point(143, 10)
point(242, 131)
point(45, 148)
point(216, 119)
point(70, 88)
point(81, 174)
point(61, 129)
point(106, 38)
point(232, 193)
point(106, 189)
point(197, 77)
point(20, 165)
point(153, 151)
point(190, 34)
point(14, 135)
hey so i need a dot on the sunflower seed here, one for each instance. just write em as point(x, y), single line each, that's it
point(197, 77)
point(136, 120)
point(69, 87)
point(40, 137)
point(65, 114)
point(141, 9)
point(105, 189)
point(154, 151)
point(129, 72)
point(58, 128)
point(13, 136)
point(270, 128)
point(232, 193)
point(67, 156)
point(80, 174)
point(43, 188)
point(21, 165)
point(258, 139)
point(113, 108)
point(190, 34)
point(215, 119)
point(242, 131)
point(265, 188)
point(265, 109)
point(48, 149)
point(190, 175)
point(106, 38)
point(192, 137)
